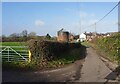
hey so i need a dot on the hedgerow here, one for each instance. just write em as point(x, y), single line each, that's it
point(49, 50)
point(110, 45)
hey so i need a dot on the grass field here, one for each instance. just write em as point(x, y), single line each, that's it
point(12, 43)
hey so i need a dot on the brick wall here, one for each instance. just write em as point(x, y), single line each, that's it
point(63, 37)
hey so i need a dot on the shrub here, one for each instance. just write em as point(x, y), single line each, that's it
point(110, 45)
point(48, 50)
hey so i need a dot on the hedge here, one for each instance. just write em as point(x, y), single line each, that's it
point(49, 50)
point(110, 45)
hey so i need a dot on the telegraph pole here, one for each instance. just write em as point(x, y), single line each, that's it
point(80, 20)
point(80, 27)
point(95, 29)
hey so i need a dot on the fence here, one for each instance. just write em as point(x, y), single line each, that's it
point(15, 53)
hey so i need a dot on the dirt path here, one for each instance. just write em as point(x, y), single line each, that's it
point(94, 70)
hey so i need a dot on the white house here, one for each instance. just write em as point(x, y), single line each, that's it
point(82, 37)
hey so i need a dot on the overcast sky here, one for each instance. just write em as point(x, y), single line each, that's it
point(49, 17)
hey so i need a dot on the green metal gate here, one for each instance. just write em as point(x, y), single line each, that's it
point(14, 53)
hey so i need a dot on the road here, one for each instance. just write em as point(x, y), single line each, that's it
point(91, 69)
point(95, 70)
point(65, 74)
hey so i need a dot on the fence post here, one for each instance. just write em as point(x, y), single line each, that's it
point(29, 60)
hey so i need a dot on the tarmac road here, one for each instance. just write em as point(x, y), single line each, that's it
point(57, 75)
point(95, 70)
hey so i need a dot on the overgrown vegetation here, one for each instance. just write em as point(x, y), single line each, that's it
point(86, 43)
point(47, 54)
point(63, 59)
point(49, 50)
point(110, 46)
point(54, 54)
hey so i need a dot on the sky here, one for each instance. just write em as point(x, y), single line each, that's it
point(59, 0)
point(50, 17)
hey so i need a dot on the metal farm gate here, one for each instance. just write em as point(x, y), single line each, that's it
point(15, 53)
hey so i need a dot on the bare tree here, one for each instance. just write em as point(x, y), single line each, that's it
point(14, 35)
point(24, 33)
point(32, 34)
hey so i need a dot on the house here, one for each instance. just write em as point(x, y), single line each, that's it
point(87, 36)
point(82, 37)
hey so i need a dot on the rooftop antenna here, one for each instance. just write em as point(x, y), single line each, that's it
point(80, 27)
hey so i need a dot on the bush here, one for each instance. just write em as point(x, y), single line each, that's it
point(110, 45)
point(48, 50)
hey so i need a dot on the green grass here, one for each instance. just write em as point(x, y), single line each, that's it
point(86, 43)
point(12, 43)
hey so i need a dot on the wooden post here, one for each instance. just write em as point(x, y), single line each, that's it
point(29, 59)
